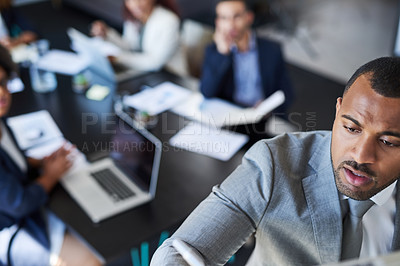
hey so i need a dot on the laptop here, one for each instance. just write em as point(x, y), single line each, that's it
point(124, 179)
point(98, 62)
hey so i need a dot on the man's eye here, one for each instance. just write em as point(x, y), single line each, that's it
point(351, 130)
point(388, 143)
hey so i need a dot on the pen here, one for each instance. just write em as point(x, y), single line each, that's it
point(189, 254)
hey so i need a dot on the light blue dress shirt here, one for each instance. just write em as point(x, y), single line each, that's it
point(248, 88)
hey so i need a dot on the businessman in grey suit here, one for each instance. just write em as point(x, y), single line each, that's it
point(294, 191)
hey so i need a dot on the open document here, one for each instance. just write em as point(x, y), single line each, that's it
point(157, 99)
point(36, 133)
point(221, 113)
point(208, 140)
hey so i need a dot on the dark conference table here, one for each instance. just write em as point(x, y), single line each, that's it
point(185, 178)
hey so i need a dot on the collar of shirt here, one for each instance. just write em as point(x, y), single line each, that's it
point(252, 44)
point(380, 198)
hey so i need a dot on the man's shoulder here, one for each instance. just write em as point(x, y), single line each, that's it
point(293, 155)
point(293, 152)
point(293, 146)
point(299, 139)
point(211, 51)
point(262, 41)
point(269, 50)
point(211, 47)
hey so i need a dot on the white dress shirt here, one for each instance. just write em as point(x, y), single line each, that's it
point(378, 223)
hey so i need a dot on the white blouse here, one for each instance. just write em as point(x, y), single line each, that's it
point(160, 41)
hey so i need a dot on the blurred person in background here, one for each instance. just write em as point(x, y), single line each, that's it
point(239, 66)
point(245, 69)
point(30, 234)
point(14, 28)
point(150, 37)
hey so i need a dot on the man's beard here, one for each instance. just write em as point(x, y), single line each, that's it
point(357, 195)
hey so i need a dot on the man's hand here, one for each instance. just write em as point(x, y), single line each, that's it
point(223, 42)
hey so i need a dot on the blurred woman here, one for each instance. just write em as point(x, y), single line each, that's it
point(14, 28)
point(29, 233)
point(150, 37)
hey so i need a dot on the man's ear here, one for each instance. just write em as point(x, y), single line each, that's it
point(338, 105)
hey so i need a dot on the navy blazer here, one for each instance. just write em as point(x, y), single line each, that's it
point(21, 199)
point(217, 74)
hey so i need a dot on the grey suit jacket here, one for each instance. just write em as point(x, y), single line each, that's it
point(284, 192)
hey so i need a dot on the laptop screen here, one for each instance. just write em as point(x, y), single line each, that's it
point(134, 154)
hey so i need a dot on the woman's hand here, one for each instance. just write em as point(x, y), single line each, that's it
point(99, 29)
point(55, 166)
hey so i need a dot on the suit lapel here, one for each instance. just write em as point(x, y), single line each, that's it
point(324, 205)
point(9, 164)
point(6, 159)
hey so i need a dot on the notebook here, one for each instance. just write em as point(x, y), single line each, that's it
point(98, 62)
point(125, 178)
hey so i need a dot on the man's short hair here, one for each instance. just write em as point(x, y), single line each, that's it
point(248, 4)
point(6, 62)
point(384, 75)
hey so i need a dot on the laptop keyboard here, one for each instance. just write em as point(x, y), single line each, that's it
point(112, 185)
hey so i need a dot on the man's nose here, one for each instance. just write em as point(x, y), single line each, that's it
point(364, 150)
